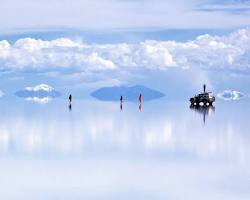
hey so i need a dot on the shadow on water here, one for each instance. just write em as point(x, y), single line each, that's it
point(203, 110)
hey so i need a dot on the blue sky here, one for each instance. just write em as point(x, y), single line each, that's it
point(73, 60)
point(107, 14)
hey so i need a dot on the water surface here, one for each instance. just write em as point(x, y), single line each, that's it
point(97, 151)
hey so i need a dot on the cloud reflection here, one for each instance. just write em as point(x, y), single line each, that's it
point(123, 131)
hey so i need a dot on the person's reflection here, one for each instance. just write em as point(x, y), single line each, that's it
point(121, 106)
point(140, 107)
point(203, 110)
point(70, 107)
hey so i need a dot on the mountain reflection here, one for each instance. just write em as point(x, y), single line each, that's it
point(88, 132)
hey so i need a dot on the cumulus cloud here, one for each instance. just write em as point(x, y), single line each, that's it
point(218, 52)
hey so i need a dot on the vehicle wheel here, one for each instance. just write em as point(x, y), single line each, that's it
point(204, 103)
point(191, 100)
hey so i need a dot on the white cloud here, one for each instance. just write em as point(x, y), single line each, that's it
point(224, 52)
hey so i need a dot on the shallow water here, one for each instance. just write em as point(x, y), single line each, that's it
point(97, 151)
point(161, 150)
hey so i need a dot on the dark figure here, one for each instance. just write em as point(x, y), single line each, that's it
point(140, 103)
point(140, 98)
point(70, 101)
point(121, 102)
point(70, 98)
point(204, 88)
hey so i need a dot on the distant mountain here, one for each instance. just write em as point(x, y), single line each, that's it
point(39, 91)
point(230, 95)
point(1, 93)
point(128, 93)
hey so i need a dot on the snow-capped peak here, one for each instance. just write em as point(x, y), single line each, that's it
point(231, 95)
point(41, 87)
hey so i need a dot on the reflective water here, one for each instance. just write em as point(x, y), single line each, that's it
point(95, 150)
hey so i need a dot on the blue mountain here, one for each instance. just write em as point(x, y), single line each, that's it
point(128, 93)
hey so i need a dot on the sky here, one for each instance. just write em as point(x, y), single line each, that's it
point(124, 14)
point(74, 59)
point(229, 52)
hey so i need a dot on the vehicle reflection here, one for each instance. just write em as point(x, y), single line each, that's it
point(94, 127)
point(203, 110)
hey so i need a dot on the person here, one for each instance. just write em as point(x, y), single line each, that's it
point(204, 88)
point(70, 98)
point(140, 98)
point(140, 103)
point(121, 101)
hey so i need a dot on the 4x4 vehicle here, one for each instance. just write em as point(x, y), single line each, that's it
point(205, 98)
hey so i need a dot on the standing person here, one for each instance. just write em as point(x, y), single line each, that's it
point(140, 103)
point(140, 98)
point(70, 99)
point(204, 88)
point(121, 101)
